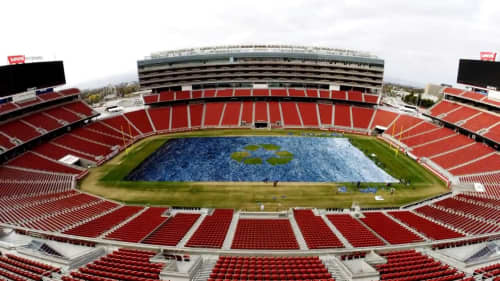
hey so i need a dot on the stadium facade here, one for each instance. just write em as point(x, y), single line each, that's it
point(261, 66)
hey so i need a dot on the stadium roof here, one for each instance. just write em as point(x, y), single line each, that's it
point(299, 52)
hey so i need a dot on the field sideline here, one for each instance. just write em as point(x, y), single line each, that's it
point(106, 180)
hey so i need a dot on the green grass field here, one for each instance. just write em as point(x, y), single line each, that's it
point(107, 180)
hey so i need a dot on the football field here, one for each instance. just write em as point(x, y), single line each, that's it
point(109, 180)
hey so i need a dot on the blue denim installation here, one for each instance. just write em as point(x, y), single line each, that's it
point(209, 159)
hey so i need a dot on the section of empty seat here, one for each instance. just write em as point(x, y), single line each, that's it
point(428, 228)
point(291, 116)
point(275, 114)
point(242, 92)
point(247, 113)
point(209, 93)
point(183, 95)
point(326, 114)
point(160, 117)
point(196, 115)
point(19, 130)
point(140, 120)
point(260, 92)
point(57, 152)
point(261, 112)
point(477, 197)
point(63, 114)
point(79, 107)
point(69, 217)
point(98, 226)
point(29, 102)
point(443, 107)
point(489, 178)
point(463, 155)
point(224, 93)
point(212, 231)
point(488, 164)
point(179, 117)
point(373, 99)
point(339, 95)
point(279, 92)
point(43, 121)
point(473, 95)
point(324, 94)
point(95, 136)
point(342, 115)
point(453, 91)
point(83, 145)
point(361, 117)
point(296, 93)
point(18, 268)
point(102, 128)
point(401, 124)
point(431, 136)
point(481, 121)
point(121, 124)
point(166, 96)
point(383, 118)
point(464, 223)
point(441, 146)
point(20, 183)
point(315, 231)
point(213, 114)
point(493, 133)
point(490, 271)
point(231, 116)
point(6, 142)
point(123, 264)
point(309, 114)
point(312, 93)
point(270, 234)
point(270, 268)
point(141, 226)
point(171, 231)
point(150, 99)
point(8, 107)
point(354, 231)
point(30, 213)
point(412, 265)
point(462, 113)
point(390, 230)
point(467, 208)
point(33, 161)
point(421, 128)
point(355, 96)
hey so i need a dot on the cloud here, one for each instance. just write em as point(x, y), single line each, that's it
point(421, 41)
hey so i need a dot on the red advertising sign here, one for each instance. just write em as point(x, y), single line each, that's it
point(16, 59)
point(488, 56)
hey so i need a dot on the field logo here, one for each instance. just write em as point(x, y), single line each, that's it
point(488, 56)
point(253, 154)
point(16, 59)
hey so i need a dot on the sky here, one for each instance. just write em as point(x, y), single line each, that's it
point(101, 41)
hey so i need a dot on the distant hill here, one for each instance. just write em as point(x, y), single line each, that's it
point(105, 81)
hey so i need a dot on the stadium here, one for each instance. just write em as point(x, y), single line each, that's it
point(248, 162)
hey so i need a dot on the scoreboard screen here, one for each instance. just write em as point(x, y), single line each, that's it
point(484, 74)
point(18, 78)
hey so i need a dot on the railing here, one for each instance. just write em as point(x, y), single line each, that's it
point(260, 48)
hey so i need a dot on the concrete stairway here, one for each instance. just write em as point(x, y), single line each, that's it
point(297, 232)
point(206, 268)
point(231, 231)
point(191, 231)
point(333, 266)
